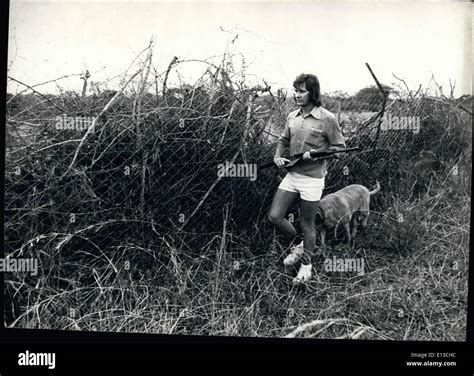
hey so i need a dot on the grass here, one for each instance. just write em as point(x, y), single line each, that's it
point(123, 264)
point(414, 287)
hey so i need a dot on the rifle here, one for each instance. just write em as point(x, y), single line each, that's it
point(320, 155)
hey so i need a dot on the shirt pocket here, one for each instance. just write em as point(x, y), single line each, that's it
point(316, 137)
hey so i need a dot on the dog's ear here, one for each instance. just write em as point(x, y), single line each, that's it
point(320, 216)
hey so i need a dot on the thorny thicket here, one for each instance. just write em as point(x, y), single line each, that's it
point(134, 230)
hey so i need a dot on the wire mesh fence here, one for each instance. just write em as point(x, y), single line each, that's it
point(151, 157)
point(119, 175)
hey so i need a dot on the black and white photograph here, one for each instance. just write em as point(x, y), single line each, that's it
point(239, 169)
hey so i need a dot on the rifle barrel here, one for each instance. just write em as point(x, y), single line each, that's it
point(321, 154)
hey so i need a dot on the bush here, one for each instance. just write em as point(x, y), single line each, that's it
point(107, 226)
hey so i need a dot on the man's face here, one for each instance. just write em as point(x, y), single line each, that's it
point(302, 96)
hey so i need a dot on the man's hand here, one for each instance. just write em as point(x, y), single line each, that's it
point(306, 155)
point(280, 162)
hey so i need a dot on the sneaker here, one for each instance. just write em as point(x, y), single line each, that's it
point(304, 274)
point(295, 254)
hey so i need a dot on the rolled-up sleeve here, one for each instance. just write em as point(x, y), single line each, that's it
point(284, 138)
point(335, 136)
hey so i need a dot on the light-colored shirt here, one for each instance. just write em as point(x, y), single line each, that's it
point(318, 130)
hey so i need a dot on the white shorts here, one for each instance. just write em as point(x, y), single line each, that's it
point(310, 189)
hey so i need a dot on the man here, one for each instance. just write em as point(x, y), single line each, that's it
point(310, 128)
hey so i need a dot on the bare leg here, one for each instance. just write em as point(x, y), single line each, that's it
point(308, 215)
point(280, 204)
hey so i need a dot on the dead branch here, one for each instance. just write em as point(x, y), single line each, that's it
point(92, 126)
point(165, 81)
point(37, 92)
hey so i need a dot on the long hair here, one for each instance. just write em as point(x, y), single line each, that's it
point(312, 85)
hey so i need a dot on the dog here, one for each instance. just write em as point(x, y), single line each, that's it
point(348, 207)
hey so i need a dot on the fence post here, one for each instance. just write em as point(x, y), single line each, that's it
point(385, 97)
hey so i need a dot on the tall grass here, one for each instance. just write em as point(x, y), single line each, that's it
point(414, 285)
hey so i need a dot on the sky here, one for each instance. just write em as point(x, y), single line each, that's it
point(278, 40)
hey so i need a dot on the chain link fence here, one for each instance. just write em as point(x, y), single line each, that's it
point(93, 180)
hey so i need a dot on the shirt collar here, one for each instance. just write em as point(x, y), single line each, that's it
point(315, 112)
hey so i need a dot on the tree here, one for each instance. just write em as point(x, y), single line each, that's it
point(370, 98)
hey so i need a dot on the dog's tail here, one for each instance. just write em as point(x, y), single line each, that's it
point(377, 188)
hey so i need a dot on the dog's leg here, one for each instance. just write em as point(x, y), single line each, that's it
point(347, 230)
point(354, 223)
point(322, 234)
point(365, 216)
